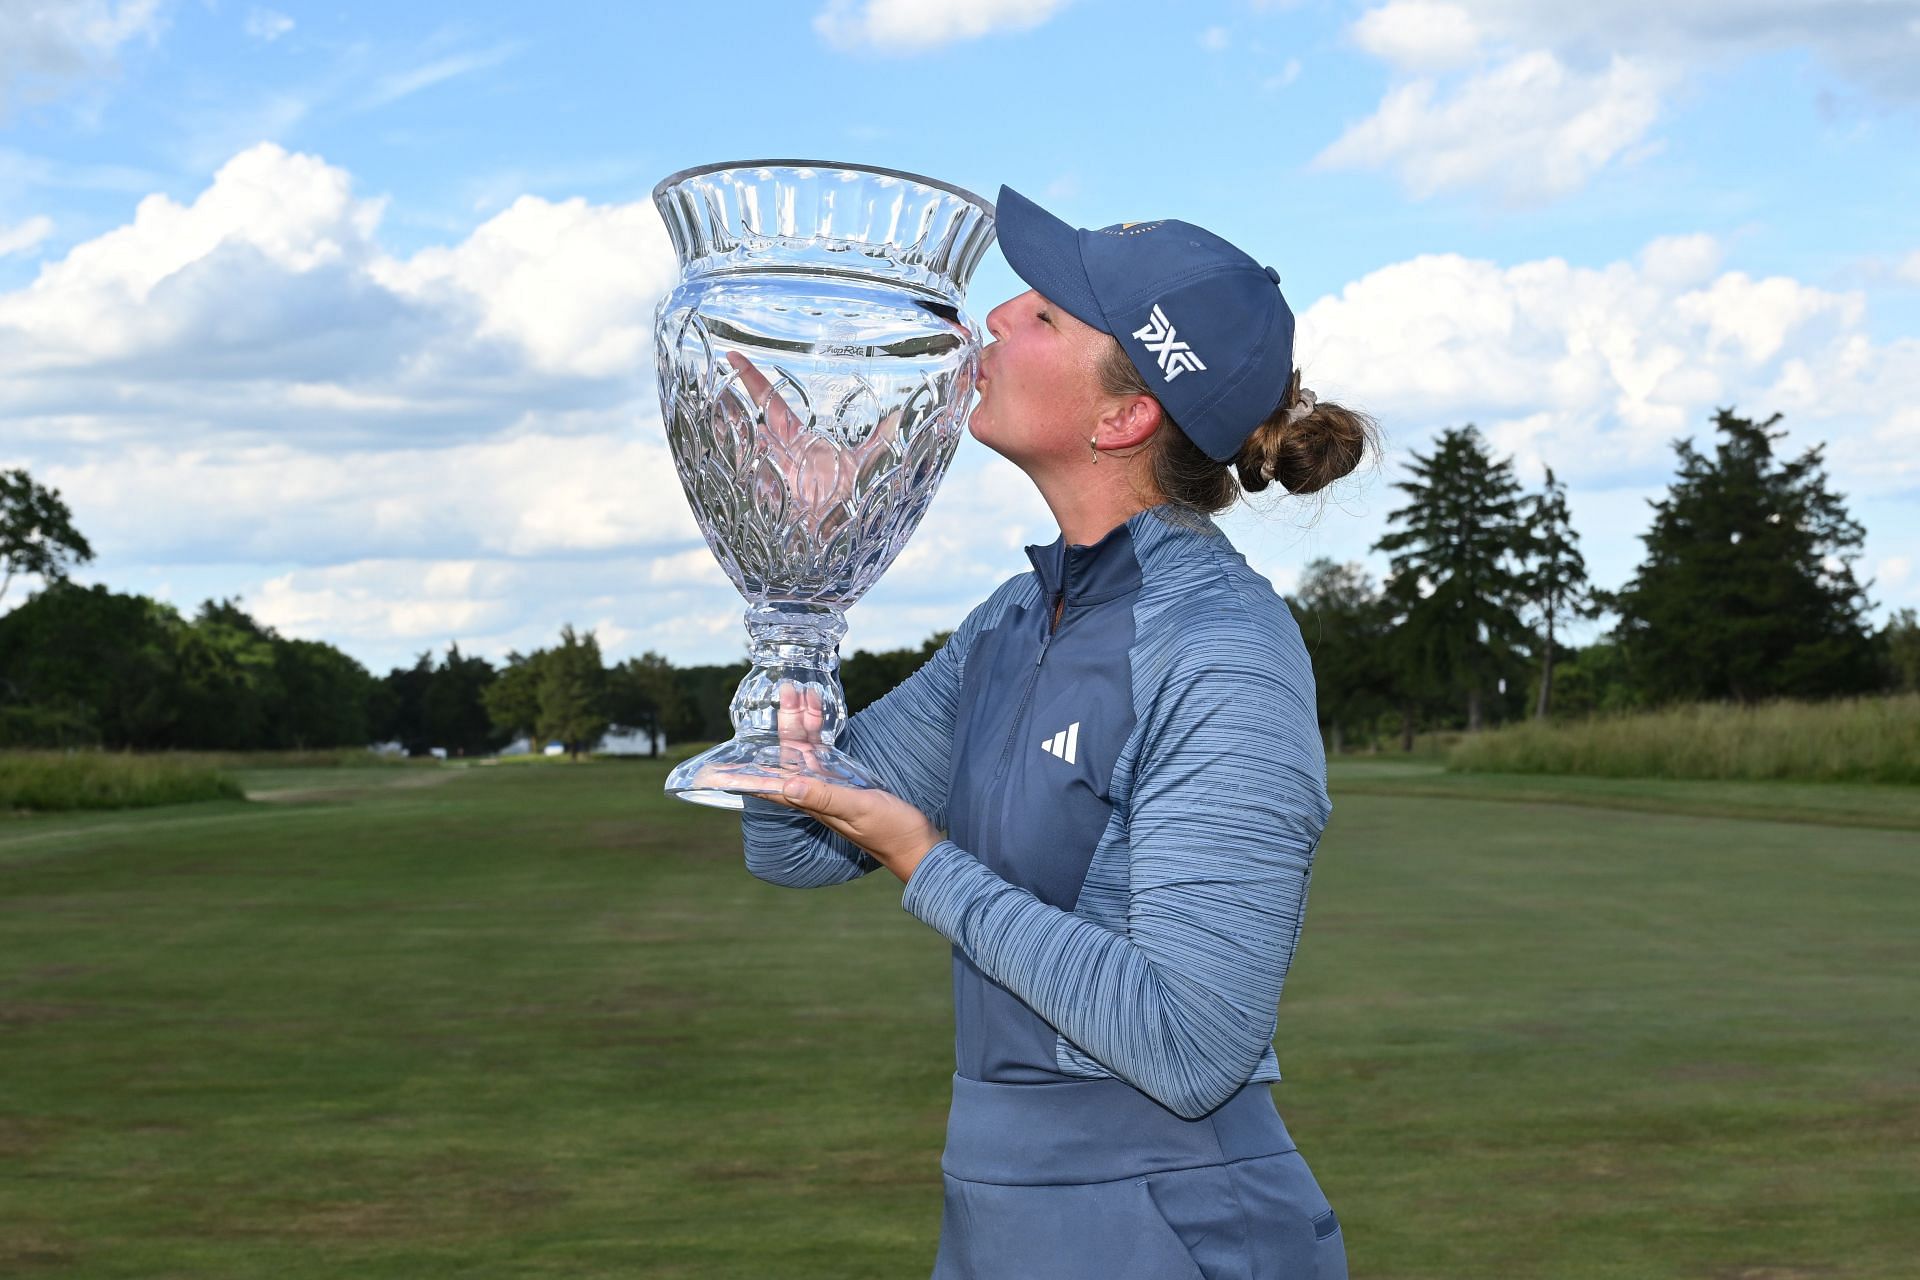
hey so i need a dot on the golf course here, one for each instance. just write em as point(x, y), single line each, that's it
point(536, 1020)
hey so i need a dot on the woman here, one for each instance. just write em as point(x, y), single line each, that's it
point(1122, 749)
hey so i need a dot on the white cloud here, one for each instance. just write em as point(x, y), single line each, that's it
point(1873, 43)
point(526, 494)
point(1531, 98)
point(267, 24)
point(266, 306)
point(1215, 39)
point(1531, 128)
point(268, 214)
point(914, 26)
point(1595, 370)
point(573, 284)
point(403, 84)
point(20, 238)
point(1680, 260)
point(1419, 35)
point(1286, 75)
point(45, 46)
point(1909, 268)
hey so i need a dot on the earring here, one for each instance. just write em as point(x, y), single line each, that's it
point(1093, 447)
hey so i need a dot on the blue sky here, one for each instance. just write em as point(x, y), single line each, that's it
point(342, 309)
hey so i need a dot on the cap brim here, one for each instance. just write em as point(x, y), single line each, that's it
point(1045, 253)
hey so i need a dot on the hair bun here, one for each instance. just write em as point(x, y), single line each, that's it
point(1304, 453)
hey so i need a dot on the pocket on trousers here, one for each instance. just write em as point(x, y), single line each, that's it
point(1176, 1258)
point(1329, 1248)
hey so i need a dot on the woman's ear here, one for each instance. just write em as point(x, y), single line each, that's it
point(1131, 421)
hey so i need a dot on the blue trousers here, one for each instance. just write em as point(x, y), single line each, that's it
point(1093, 1180)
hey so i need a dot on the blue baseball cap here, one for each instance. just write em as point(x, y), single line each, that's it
point(1204, 324)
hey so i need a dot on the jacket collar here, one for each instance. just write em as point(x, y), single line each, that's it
point(1103, 571)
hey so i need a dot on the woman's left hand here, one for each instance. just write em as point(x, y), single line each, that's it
point(893, 831)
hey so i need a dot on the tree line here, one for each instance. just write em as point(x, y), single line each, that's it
point(1746, 593)
point(88, 666)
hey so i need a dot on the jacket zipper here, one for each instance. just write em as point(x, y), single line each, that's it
point(1055, 616)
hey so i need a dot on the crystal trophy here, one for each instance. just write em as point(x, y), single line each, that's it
point(815, 371)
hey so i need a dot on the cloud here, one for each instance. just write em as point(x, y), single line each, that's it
point(1531, 128)
point(571, 283)
point(44, 47)
point(1871, 43)
point(1909, 268)
point(1419, 35)
point(1215, 39)
point(1530, 99)
point(267, 25)
point(266, 307)
point(533, 493)
point(20, 238)
point(402, 84)
point(1594, 370)
point(915, 26)
point(1289, 72)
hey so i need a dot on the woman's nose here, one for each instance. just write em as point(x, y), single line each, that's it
point(996, 321)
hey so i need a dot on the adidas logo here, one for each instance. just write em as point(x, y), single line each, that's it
point(1175, 356)
point(1063, 743)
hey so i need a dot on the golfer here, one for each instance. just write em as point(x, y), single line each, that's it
point(1122, 750)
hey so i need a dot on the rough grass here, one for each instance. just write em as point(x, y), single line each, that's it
point(54, 781)
point(1853, 740)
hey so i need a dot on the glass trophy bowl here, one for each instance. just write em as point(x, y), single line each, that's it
point(815, 371)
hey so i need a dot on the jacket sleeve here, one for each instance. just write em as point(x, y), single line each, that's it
point(1227, 803)
point(906, 738)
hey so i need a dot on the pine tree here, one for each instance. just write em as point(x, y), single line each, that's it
point(1556, 576)
point(1457, 584)
point(1747, 591)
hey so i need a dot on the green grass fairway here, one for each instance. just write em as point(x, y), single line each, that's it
point(538, 1022)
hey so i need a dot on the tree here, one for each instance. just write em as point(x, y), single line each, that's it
point(36, 532)
point(867, 676)
point(453, 708)
point(406, 704)
point(1457, 585)
point(94, 666)
point(642, 694)
point(1592, 680)
point(1556, 577)
point(1747, 591)
point(323, 697)
point(1343, 620)
point(572, 691)
point(706, 694)
point(230, 684)
point(513, 699)
point(1901, 639)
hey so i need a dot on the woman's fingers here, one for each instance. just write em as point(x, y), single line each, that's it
point(779, 418)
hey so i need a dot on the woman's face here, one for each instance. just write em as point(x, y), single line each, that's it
point(1040, 392)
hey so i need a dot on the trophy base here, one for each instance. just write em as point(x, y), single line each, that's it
point(758, 765)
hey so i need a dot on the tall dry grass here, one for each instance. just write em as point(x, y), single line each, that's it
point(1853, 740)
point(59, 780)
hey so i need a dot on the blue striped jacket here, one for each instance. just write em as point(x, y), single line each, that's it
point(1132, 798)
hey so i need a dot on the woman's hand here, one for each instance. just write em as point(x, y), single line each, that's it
point(819, 473)
point(895, 833)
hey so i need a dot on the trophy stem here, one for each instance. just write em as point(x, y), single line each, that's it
point(792, 646)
